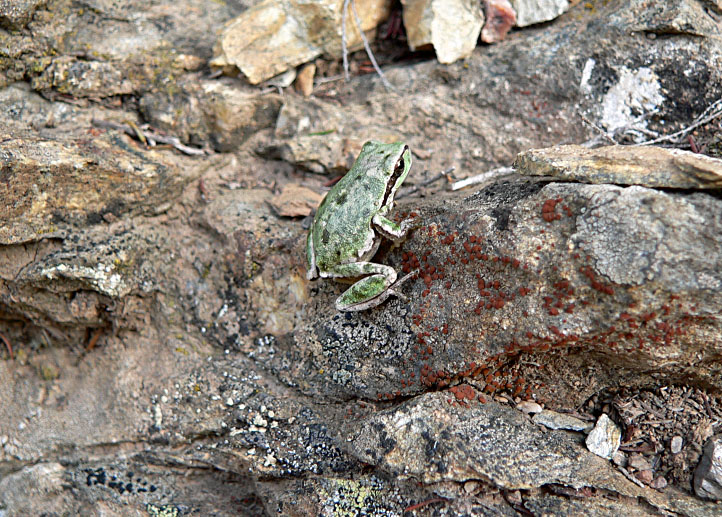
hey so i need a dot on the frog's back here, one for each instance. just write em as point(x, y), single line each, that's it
point(347, 218)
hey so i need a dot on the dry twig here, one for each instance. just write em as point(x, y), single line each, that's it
point(441, 175)
point(94, 339)
point(630, 477)
point(480, 178)
point(610, 136)
point(712, 112)
point(147, 137)
point(367, 46)
point(7, 345)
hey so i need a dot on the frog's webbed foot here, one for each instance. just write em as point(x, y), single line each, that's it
point(359, 296)
point(372, 290)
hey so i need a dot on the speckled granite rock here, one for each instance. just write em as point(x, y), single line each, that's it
point(15, 14)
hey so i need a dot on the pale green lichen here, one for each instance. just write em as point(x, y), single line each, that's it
point(165, 510)
point(103, 277)
point(348, 498)
point(49, 372)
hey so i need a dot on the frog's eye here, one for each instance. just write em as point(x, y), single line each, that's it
point(398, 171)
point(399, 168)
point(400, 164)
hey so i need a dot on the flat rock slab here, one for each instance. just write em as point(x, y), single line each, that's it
point(49, 184)
point(554, 420)
point(624, 278)
point(435, 439)
point(648, 166)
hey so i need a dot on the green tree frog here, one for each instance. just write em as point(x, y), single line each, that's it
point(349, 224)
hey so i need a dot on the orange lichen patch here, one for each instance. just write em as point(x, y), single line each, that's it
point(499, 278)
point(549, 210)
point(463, 392)
point(409, 262)
point(596, 284)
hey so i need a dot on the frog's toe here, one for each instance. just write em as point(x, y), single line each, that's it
point(364, 294)
point(370, 292)
point(362, 306)
point(393, 290)
point(398, 294)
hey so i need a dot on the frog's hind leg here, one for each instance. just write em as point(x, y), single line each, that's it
point(312, 272)
point(371, 290)
point(364, 294)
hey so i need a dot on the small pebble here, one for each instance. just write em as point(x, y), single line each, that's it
point(637, 462)
point(659, 483)
point(645, 476)
point(304, 79)
point(676, 444)
point(529, 407)
point(471, 486)
point(620, 459)
point(605, 438)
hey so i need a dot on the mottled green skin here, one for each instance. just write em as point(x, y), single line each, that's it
point(351, 220)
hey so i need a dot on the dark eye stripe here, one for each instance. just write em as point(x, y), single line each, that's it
point(398, 171)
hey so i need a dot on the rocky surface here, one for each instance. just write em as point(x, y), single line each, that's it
point(708, 476)
point(273, 35)
point(500, 18)
point(452, 27)
point(163, 354)
point(526, 267)
point(530, 12)
point(605, 438)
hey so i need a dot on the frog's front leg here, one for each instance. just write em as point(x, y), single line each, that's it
point(390, 229)
point(371, 290)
